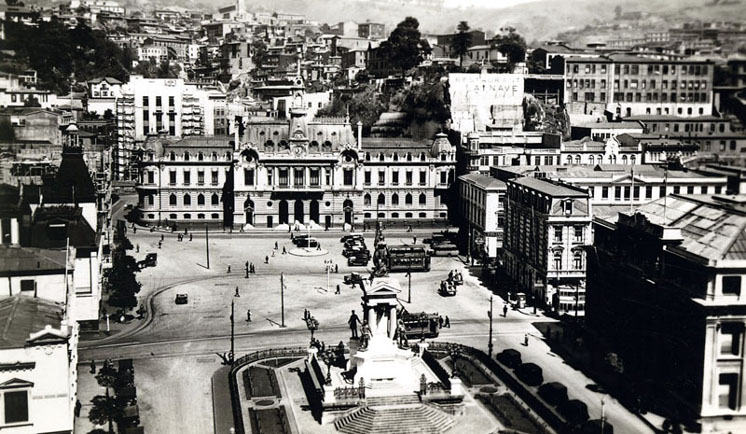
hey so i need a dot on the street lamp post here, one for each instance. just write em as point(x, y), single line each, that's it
point(489, 344)
point(409, 276)
point(207, 245)
point(603, 415)
point(282, 298)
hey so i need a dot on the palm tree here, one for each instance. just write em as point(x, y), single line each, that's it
point(462, 41)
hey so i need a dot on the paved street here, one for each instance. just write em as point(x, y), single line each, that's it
point(175, 334)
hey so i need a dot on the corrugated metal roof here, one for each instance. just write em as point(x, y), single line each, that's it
point(21, 315)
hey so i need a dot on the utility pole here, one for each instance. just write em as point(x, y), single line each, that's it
point(489, 345)
point(603, 415)
point(231, 354)
point(409, 275)
point(207, 245)
point(282, 298)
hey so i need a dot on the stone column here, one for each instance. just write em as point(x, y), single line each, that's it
point(372, 319)
point(392, 322)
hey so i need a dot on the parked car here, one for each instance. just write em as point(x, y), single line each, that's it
point(182, 298)
point(356, 250)
point(447, 288)
point(353, 278)
point(359, 259)
point(307, 242)
point(151, 260)
point(354, 236)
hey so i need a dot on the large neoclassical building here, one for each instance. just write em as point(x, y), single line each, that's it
point(282, 171)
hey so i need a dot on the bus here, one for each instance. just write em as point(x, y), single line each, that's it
point(407, 258)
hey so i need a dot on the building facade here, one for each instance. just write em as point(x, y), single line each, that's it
point(665, 291)
point(548, 228)
point(482, 200)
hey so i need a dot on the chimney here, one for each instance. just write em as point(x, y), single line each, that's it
point(359, 134)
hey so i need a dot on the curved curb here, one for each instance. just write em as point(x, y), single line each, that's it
point(307, 253)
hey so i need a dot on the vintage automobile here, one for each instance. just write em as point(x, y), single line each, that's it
point(359, 259)
point(151, 260)
point(447, 288)
point(182, 298)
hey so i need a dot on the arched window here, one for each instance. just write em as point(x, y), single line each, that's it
point(632, 159)
point(366, 200)
point(569, 159)
point(187, 199)
point(269, 146)
point(409, 156)
point(394, 199)
point(367, 156)
point(200, 157)
point(557, 260)
point(186, 156)
point(396, 156)
point(172, 156)
point(423, 157)
point(577, 260)
point(423, 199)
point(408, 199)
point(172, 200)
point(408, 215)
point(381, 199)
point(380, 157)
point(577, 159)
point(228, 156)
point(214, 156)
point(590, 159)
point(624, 159)
point(214, 199)
point(201, 199)
point(423, 215)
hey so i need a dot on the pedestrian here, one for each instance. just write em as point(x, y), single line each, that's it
point(353, 322)
point(186, 231)
point(414, 240)
point(275, 245)
point(525, 340)
point(338, 290)
point(440, 321)
point(505, 310)
point(248, 315)
point(253, 271)
point(161, 237)
point(137, 248)
point(450, 275)
point(190, 237)
point(273, 253)
point(305, 314)
point(78, 405)
point(283, 250)
point(229, 269)
point(93, 367)
point(447, 322)
point(318, 247)
point(134, 228)
point(365, 334)
point(159, 244)
point(336, 268)
point(266, 259)
point(237, 294)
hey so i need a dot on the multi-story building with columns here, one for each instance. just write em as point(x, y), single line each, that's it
point(283, 171)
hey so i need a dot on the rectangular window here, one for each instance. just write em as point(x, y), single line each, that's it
point(728, 391)
point(604, 192)
point(409, 177)
point(558, 233)
point(299, 175)
point(648, 192)
point(16, 406)
point(158, 101)
point(283, 175)
point(200, 177)
point(367, 177)
point(248, 176)
point(315, 178)
point(444, 177)
point(348, 177)
point(214, 177)
point(731, 335)
point(151, 177)
point(395, 177)
point(636, 192)
point(662, 191)
point(617, 192)
point(171, 102)
point(145, 101)
point(187, 177)
point(172, 177)
point(28, 285)
point(423, 177)
point(732, 285)
point(578, 232)
point(381, 177)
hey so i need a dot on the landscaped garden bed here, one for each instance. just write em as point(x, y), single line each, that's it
point(270, 421)
point(510, 413)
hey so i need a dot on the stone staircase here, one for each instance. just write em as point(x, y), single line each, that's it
point(394, 415)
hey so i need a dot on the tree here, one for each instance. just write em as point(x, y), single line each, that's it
point(108, 114)
point(259, 47)
point(106, 409)
point(462, 41)
point(31, 101)
point(618, 12)
point(404, 47)
point(365, 106)
point(512, 45)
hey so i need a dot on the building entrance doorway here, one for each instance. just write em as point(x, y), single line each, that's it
point(298, 214)
point(314, 212)
point(283, 212)
point(248, 208)
point(347, 207)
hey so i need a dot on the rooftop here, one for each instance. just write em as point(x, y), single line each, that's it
point(483, 181)
point(712, 227)
point(20, 316)
point(623, 125)
point(549, 188)
point(18, 260)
